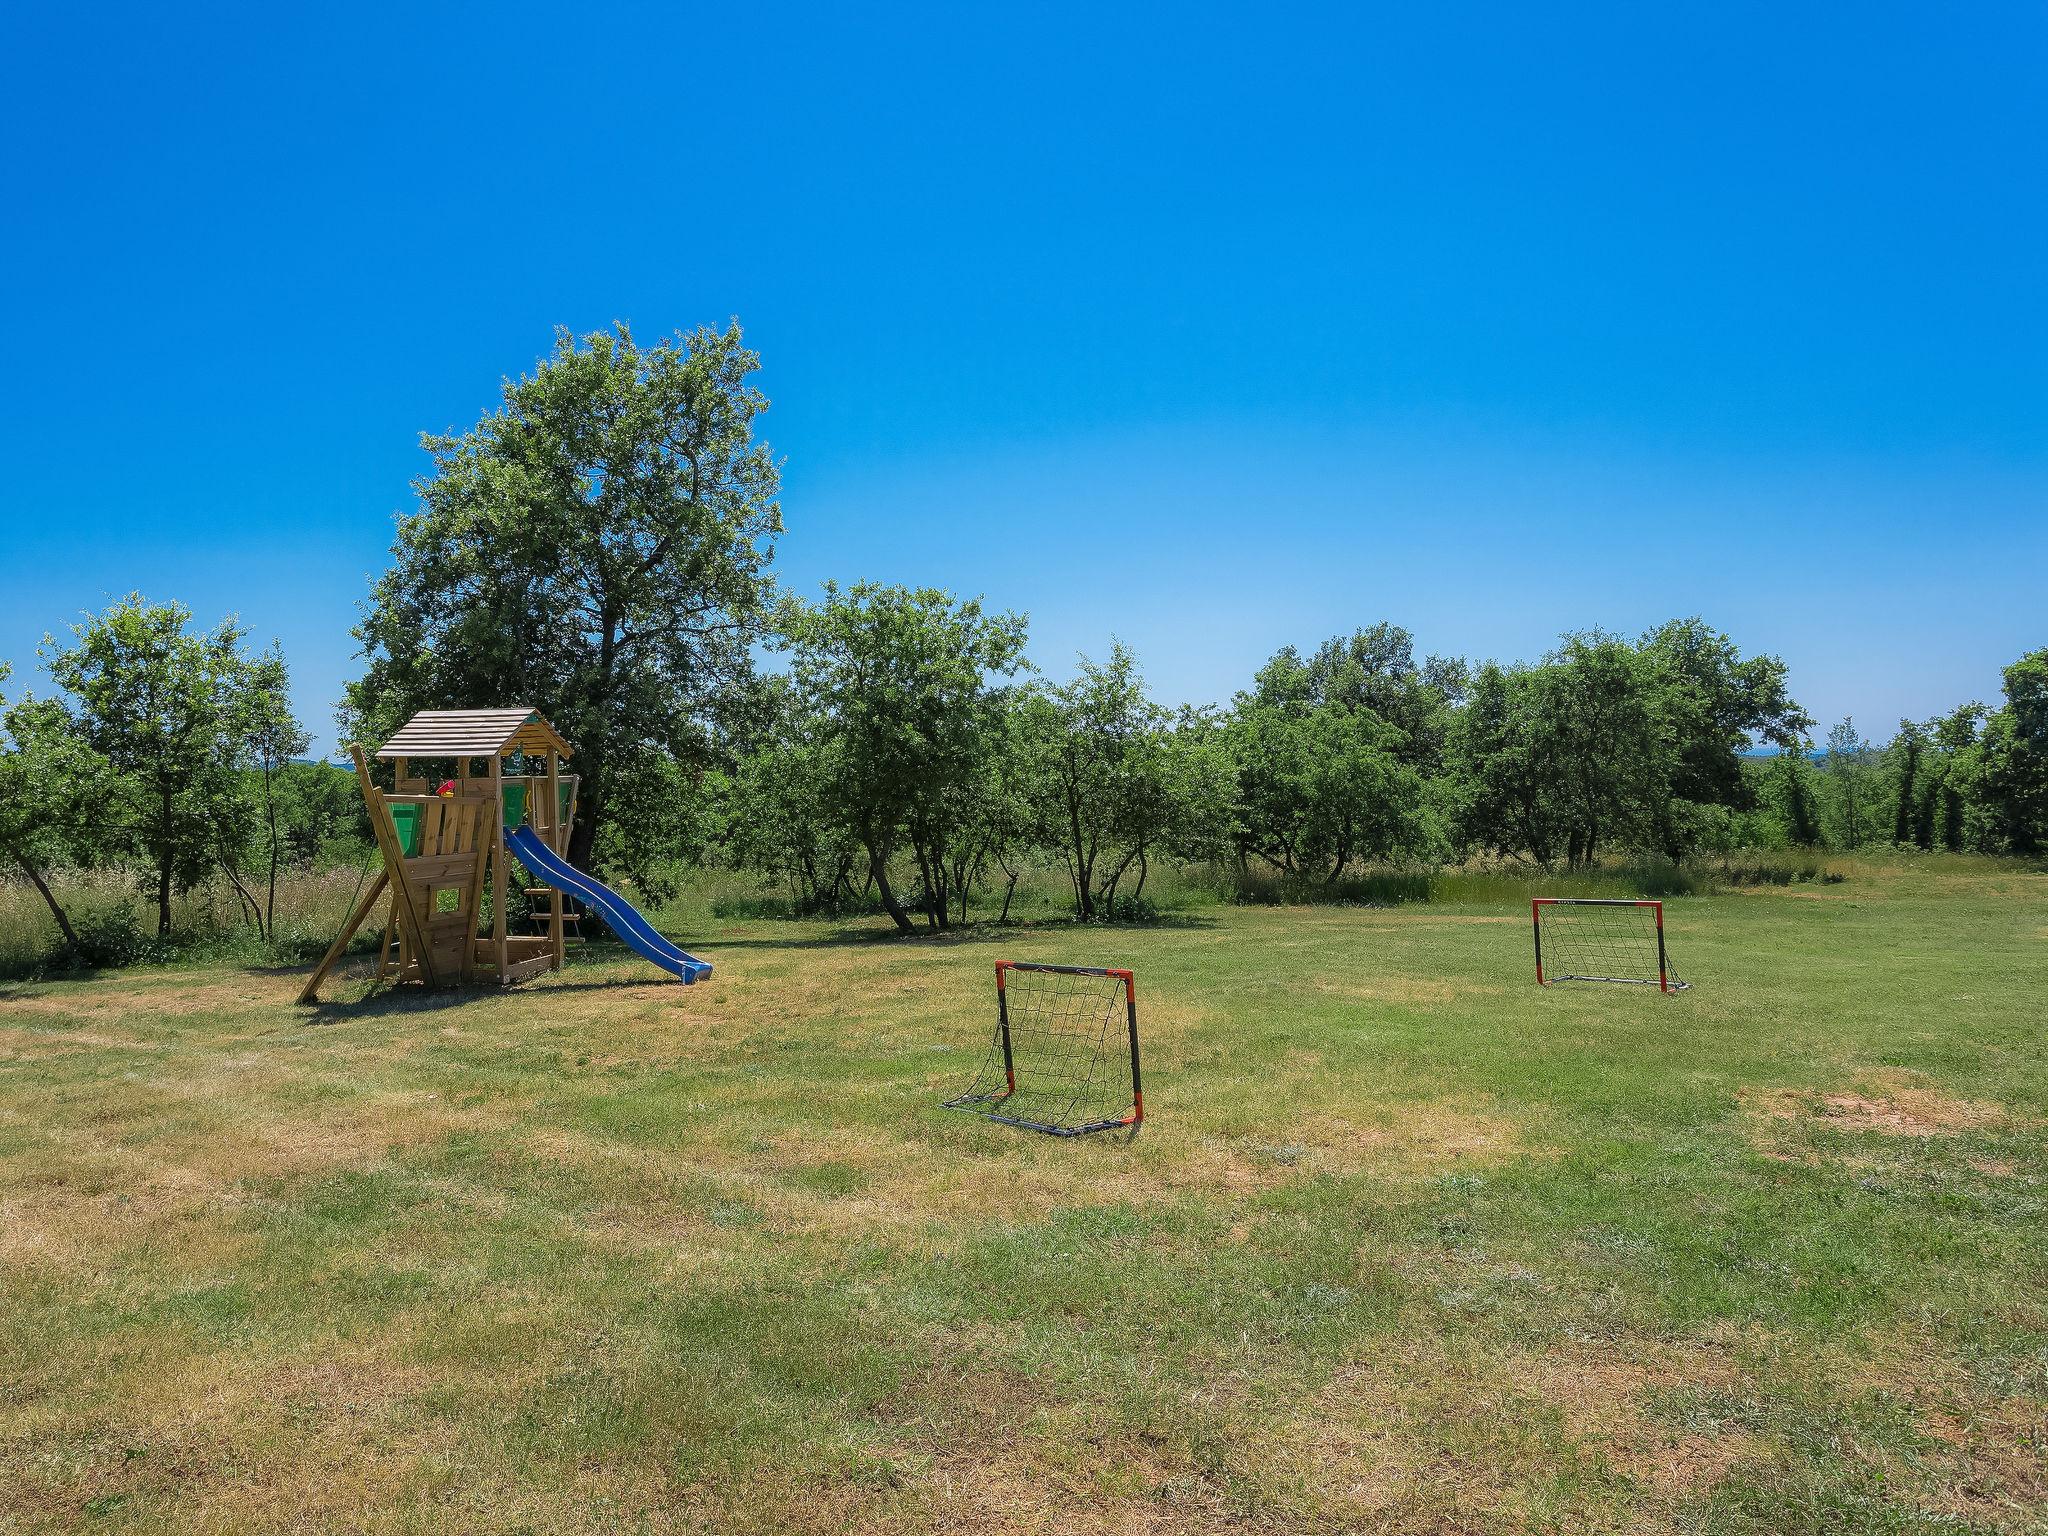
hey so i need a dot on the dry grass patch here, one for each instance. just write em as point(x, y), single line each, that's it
point(247, 1442)
point(1420, 1438)
point(157, 996)
point(1404, 991)
point(19, 1042)
point(1890, 1104)
point(1417, 1137)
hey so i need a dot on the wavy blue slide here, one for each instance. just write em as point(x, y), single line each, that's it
point(618, 913)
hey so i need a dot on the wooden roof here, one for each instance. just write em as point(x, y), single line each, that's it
point(473, 733)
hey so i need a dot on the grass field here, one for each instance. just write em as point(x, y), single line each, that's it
point(1408, 1243)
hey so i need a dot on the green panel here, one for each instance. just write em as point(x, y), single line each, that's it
point(515, 805)
point(406, 818)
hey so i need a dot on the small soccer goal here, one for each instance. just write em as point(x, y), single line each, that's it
point(1587, 940)
point(1064, 1055)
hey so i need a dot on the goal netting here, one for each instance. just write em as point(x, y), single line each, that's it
point(1587, 940)
point(1064, 1054)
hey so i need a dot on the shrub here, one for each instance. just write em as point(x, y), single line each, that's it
point(110, 937)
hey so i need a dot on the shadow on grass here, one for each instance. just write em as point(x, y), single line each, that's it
point(976, 933)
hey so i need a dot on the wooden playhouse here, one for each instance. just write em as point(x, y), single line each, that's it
point(442, 836)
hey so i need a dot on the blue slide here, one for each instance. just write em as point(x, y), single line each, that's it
point(617, 912)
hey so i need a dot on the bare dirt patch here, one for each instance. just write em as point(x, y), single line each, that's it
point(1894, 1105)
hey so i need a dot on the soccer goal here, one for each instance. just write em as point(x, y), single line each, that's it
point(1064, 1055)
point(1588, 940)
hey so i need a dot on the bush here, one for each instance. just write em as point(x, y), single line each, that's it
point(110, 937)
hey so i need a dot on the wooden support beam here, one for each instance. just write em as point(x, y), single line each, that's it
point(310, 993)
point(498, 857)
point(394, 866)
point(479, 819)
point(519, 970)
point(559, 841)
point(391, 941)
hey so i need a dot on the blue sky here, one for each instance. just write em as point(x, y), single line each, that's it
point(1212, 328)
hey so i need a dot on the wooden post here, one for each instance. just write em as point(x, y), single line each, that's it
point(394, 866)
point(475, 826)
point(498, 856)
point(310, 992)
point(390, 939)
point(560, 844)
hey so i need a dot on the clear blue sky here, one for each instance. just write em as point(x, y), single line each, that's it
point(1213, 328)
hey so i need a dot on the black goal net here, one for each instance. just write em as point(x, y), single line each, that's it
point(1064, 1054)
point(1587, 940)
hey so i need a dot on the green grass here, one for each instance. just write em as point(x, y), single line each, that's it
point(1408, 1243)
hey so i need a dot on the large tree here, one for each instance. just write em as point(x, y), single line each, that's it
point(1112, 781)
point(1321, 786)
point(596, 547)
point(2008, 766)
point(1371, 670)
point(160, 705)
point(1565, 759)
point(1714, 705)
point(904, 689)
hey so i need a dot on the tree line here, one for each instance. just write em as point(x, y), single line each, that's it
point(599, 546)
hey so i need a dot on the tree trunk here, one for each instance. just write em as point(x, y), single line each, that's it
point(879, 870)
point(49, 897)
point(163, 868)
point(243, 895)
point(932, 866)
point(583, 832)
point(1084, 871)
point(270, 814)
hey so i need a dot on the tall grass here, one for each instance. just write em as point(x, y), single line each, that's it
point(208, 925)
point(117, 922)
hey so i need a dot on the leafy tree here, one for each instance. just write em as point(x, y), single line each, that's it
point(157, 702)
point(2008, 766)
point(1713, 703)
point(1944, 801)
point(262, 726)
point(53, 793)
point(596, 547)
point(1601, 742)
point(1507, 803)
point(779, 820)
point(1322, 786)
point(1112, 783)
point(1907, 750)
point(1003, 826)
point(1170, 799)
point(902, 687)
point(1609, 745)
point(319, 805)
point(1375, 670)
point(1846, 770)
point(1797, 801)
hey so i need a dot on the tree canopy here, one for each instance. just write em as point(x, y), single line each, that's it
point(596, 547)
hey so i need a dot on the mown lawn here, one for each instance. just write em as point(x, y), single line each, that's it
point(1408, 1244)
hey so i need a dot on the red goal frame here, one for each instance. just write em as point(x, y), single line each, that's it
point(1665, 982)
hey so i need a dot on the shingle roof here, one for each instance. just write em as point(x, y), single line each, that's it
point(473, 733)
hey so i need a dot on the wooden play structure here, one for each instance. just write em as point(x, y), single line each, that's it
point(439, 846)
